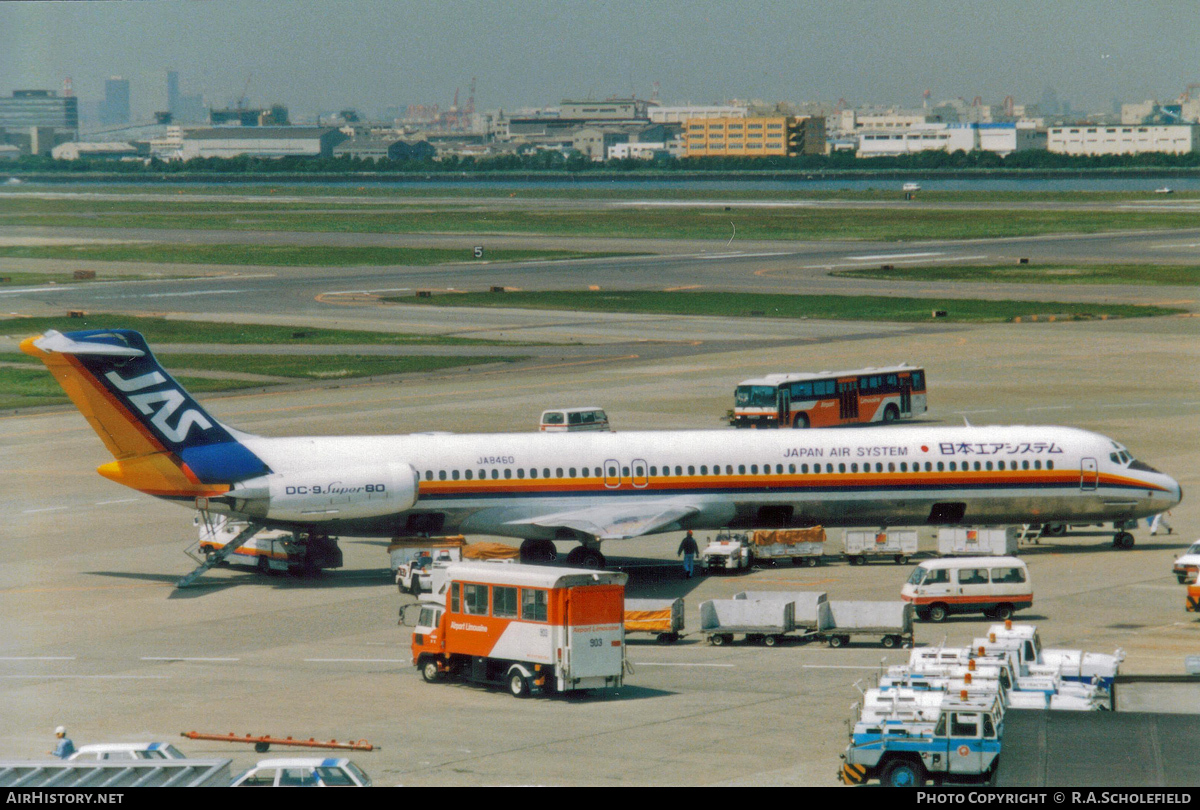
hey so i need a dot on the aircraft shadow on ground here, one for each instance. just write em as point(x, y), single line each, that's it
point(280, 581)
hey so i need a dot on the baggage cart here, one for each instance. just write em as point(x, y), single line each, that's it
point(764, 622)
point(801, 546)
point(862, 545)
point(890, 622)
point(980, 541)
point(810, 608)
point(663, 617)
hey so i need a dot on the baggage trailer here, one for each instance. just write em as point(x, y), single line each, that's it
point(801, 546)
point(663, 617)
point(890, 622)
point(810, 608)
point(981, 541)
point(861, 545)
point(764, 622)
point(532, 628)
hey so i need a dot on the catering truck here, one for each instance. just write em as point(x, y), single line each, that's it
point(528, 627)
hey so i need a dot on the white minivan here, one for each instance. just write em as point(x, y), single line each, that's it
point(564, 420)
point(993, 586)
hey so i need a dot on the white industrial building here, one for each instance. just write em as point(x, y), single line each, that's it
point(271, 142)
point(1002, 139)
point(679, 115)
point(1085, 139)
point(74, 150)
point(644, 151)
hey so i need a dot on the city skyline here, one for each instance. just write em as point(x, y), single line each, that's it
point(372, 55)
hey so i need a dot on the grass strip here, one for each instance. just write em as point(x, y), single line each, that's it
point(286, 255)
point(29, 387)
point(768, 305)
point(320, 367)
point(159, 330)
point(1138, 274)
point(806, 223)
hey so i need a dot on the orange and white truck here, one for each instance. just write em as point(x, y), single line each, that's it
point(529, 627)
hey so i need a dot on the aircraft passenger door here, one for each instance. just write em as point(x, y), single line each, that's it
point(640, 476)
point(1089, 475)
point(847, 399)
point(612, 474)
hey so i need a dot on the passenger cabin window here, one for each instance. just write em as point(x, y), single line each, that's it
point(533, 605)
point(1008, 575)
point(973, 576)
point(504, 602)
point(475, 599)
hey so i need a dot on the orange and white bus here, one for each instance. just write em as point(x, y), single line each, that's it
point(828, 398)
point(531, 627)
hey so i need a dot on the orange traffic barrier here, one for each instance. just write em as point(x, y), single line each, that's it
point(264, 742)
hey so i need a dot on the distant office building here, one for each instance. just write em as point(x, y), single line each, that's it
point(757, 136)
point(1085, 139)
point(115, 110)
point(274, 116)
point(39, 108)
point(269, 142)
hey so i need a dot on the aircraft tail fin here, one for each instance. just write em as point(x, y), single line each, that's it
point(163, 442)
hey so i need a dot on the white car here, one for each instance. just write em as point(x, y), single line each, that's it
point(303, 772)
point(1188, 564)
point(150, 750)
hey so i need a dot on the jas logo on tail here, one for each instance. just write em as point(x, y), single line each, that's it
point(171, 399)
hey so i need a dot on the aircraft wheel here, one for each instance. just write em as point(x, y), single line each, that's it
point(1123, 540)
point(592, 558)
point(538, 551)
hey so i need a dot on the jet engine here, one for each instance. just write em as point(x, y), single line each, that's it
point(315, 497)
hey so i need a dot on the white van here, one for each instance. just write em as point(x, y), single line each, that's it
point(994, 586)
point(1188, 564)
point(563, 420)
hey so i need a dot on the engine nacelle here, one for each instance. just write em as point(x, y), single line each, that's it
point(316, 497)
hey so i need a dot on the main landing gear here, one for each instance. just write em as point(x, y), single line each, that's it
point(543, 552)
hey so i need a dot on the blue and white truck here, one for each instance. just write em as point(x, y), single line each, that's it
point(944, 737)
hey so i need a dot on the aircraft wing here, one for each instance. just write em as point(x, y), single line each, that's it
point(617, 522)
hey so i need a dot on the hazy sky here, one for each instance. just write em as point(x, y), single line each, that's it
point(372, 54)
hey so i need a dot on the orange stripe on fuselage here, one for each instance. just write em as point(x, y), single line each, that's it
point(667, 484)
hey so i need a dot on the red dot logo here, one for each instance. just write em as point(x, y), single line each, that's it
point(924, 449)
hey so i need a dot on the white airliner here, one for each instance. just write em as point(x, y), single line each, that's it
point(587, 487)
